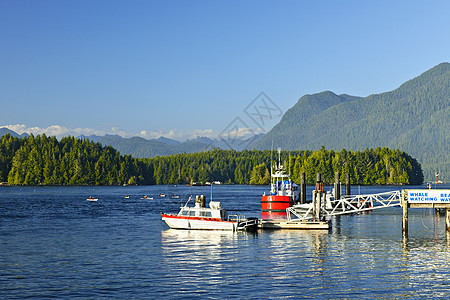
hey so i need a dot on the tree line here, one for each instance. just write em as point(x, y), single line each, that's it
point(368, 167)
point(42, 160)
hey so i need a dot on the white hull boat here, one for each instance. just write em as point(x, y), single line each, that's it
point(213, 217)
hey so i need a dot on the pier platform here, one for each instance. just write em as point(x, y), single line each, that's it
point(297, 224)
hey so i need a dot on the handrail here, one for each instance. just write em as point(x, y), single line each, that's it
point(348, 205)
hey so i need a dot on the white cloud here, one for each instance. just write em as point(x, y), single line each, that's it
point(180, 135)
point(61, 131)
point(54, 130)
point(175, 134)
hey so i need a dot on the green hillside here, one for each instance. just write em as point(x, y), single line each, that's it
point(412, 118)
point(43, 160)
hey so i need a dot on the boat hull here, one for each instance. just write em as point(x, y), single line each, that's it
point(179, 222)
point(274, 206)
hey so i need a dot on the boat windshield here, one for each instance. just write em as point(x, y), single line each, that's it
point(187, 213)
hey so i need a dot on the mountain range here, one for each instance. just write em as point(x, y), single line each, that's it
point(5, 130)
point(139, 147)
point(413, 118)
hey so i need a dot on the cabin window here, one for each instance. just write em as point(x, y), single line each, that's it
point(184, 212)
point(192, 213)
point(205, 214)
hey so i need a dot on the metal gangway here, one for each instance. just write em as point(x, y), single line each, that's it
point(345, 205)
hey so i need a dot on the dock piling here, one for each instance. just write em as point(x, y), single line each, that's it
point(319, 182)
point(318, 193)
point(347, 184)
point(337, 185)
point(302, 187)
point(404, 203)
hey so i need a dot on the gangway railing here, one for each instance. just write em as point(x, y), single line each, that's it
point(346, 205)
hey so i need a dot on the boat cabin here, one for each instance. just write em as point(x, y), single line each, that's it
point(213, 211)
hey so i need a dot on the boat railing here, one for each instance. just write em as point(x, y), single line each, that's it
point(248, 224)
point(236, 218)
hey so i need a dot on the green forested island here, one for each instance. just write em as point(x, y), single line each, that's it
point(42, 160)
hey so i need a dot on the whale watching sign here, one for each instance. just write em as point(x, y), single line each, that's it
point(428, 196)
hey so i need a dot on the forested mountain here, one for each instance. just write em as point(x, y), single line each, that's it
point(412, 118)
point(43, 160)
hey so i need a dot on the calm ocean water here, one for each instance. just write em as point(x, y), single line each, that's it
point(55, 244)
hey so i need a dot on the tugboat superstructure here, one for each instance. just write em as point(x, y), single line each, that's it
point(283, 194)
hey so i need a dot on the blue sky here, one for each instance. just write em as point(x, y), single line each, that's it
point(187, 68)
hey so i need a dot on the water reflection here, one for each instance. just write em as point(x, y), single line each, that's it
point(205, 261)
point(195, 238)
point(195, 245)
point(427, 268)
point(310, 240)
point(426, 228)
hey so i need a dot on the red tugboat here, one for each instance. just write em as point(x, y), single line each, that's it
point(283, 194)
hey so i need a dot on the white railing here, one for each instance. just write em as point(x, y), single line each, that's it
point(346, 205)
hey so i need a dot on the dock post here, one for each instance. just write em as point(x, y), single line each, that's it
point(317, 197)
point(404, 203)
point(322, 204)
point(315, 192)
point(318, 182)
point(347, 184)
point(447, 219)
point(318, 205)
point(337, 185)
point(302, 187)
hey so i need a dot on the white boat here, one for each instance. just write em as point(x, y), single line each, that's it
point(92, 199)
point(213, 217)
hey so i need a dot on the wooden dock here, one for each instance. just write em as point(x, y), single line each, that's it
point(297, 224)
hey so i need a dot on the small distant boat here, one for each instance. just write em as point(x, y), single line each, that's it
point(208, 218)
point(162, 195)
point(127, 197)
point(147, 198)
point(175, 196)
point(92, 199)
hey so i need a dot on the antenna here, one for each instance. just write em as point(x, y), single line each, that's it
point(279, 158)
point(271, 160)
